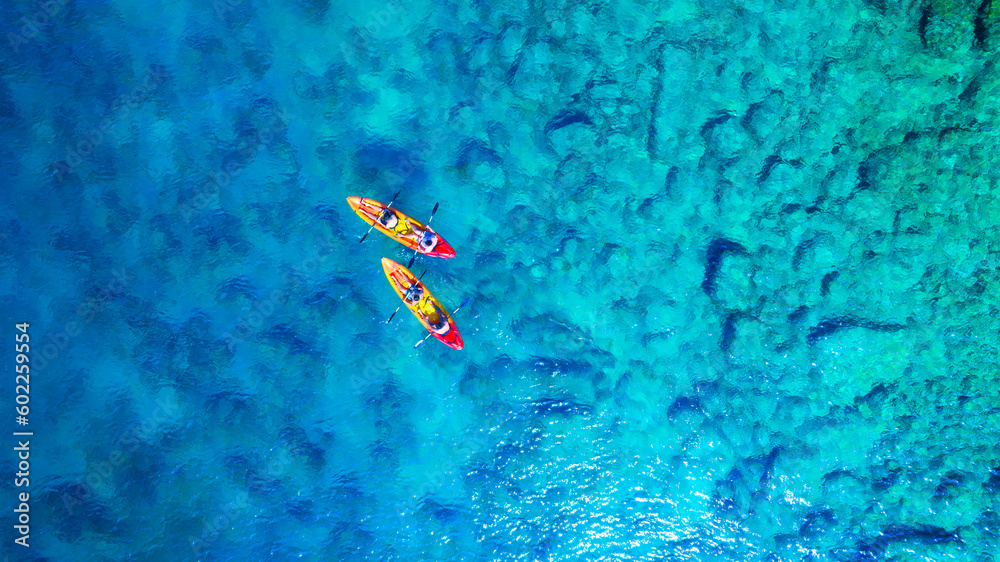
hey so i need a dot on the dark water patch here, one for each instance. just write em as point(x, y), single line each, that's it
point(378, 157)
point(483, 476)
point(489, 257)
point(348, 494)
point(566, 118)
point(328, 213)
point(545, 407)
point(799, 314)
point(717, 250)
point(244, 469)
point(925, 18)
point(11, 120)
point(294, 438)
point(349, 540)
point(709, 126)
point(313, 10)
point(653, 337)
point(621, 390)
point(205, 352)
point(234, 406)
point(835, 476)
point(730, 492)
point(769, 164)
point(765, 465)
point(301, 509)
point(876, 397)
point(873, 168)
point(74, 509)
point(828, 327)
point(949, 484)
point(286, 335)
point(979, 30)
point(468, 385)
point(259, 61)
point(233, 287)
point(884, 478)
point(165, 225)
point(383, 453)
point(575, 174)
point(219, 227)
point(670, 183)
point(74, 241)
point(992, 483)
point(800, 251)
point(728, 331)
point(156, 352)
point(970, 91)
point(205, 43)
point(473, 152)
point(143, 469)
point(106, 169)
point(326, 302)
point(446, 514)
point(556, 366)
point(328, 151)
point(874, 549)
point(988, 523)
point(684, 405)
point(828, 279)
point(817, 521)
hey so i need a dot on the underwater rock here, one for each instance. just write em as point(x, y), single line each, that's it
point(717, 250)
point(925, 534)
point(828, 327)
point(566, 118)
point(828, 280)
point(728, 332)
point(992, 484)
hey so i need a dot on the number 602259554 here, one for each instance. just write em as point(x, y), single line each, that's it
point(23, 371)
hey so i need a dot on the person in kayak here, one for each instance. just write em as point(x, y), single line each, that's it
point(413, 294)
point(442, 326)
point(428, 240)
point(388, 219)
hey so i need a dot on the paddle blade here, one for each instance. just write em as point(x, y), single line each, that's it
point(435, 209)
point(391, 316)
point(465, 302)
point(411, 261)
point(365, 236)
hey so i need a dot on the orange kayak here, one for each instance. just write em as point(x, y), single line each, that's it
point(427, 308)
point(399, 226)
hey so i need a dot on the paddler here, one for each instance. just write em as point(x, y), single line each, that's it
point(388, 219)
point(441, 327)
point(413, 294)
point(426, 239)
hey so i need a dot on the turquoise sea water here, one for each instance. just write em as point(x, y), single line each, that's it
point(733, 269)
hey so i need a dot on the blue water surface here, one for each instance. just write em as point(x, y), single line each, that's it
point(733, 268)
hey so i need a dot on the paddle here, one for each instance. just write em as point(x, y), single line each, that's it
point(414, 256)
point(401, 304)
point(421, 342)
point(373, 224)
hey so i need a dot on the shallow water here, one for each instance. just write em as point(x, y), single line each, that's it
point(733, 270)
